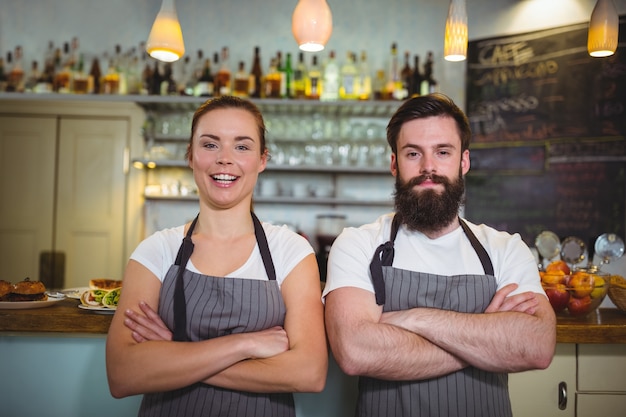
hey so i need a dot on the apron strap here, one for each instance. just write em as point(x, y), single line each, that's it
point(264, 248)
point(485, 260)
point(383, 256)
point(180, 304)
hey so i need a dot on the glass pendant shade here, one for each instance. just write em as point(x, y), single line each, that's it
point(455, 40)
point(165, 42)
point(603, 29)
point(312, 24)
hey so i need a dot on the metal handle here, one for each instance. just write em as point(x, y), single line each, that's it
point(562, 395)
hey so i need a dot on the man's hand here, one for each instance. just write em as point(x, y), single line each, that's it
point(525, 302)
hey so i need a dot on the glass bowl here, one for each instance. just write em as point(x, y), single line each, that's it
point(577, 294)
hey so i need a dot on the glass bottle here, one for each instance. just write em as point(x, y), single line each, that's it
point(314, 82)
point(429, 85)
point(256, 83)
point(223, 79)
point(348, 89)
point(365, 78)
point(299, 78)
point(4, 80)
point(63, 72)
point(16, 73)
point(241, 84)
point(394, 83)
point(405, 76)
point(32, 78)
point(331, 79)
point(416, 77)
point(80, 81)
point(286, 87)
point(205, 85)
point(380, 86)
point(272, 81)
point(95, 77)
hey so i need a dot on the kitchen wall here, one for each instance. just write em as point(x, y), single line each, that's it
point(416, 25)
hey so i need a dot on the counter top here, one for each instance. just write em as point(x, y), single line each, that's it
point(607, 325)
point(63, 317)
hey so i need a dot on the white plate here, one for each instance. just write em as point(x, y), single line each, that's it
point(23, 305)
point(99, 310)
point(74, 293)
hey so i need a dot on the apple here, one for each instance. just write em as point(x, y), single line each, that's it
point(582, 284)
point(558, 266)
point(579, 306)
point(599, 287)
point(558, 296)
point(554, 277)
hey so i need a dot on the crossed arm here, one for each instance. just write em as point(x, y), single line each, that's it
point(515, 333)
point(141, 356)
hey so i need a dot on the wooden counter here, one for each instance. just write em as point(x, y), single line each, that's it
point(64, 317)
point(607, 325)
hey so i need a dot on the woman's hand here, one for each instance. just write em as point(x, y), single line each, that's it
point(148, 326)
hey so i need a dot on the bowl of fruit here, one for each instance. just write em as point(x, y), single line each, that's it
point(575, 293)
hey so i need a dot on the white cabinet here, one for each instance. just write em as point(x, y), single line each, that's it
point(601, 381)
point(549, 392)
point(584, 380)
point(66, 188)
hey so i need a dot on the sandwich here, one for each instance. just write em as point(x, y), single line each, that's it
point(111, 298)
point(102, 293)
point(28, 290)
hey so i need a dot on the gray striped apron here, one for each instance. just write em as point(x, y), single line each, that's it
point(200, 307)
point(470, 392)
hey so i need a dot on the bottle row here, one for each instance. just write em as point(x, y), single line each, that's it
point(323, 77)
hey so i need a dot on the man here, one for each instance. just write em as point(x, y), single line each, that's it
point(430, 310)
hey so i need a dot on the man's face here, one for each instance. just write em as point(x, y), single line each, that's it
point(429, 168)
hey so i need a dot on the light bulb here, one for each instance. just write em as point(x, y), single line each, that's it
point(165, 42)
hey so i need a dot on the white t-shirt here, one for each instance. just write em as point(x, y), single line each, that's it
point(451, 254)
point(158, 252)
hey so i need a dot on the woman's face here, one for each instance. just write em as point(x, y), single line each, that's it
point(226, 156)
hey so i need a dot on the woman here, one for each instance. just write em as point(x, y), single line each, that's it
point(240, 319)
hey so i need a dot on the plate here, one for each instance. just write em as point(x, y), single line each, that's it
point(74, 293)
point(98, 310)
point(23, 305)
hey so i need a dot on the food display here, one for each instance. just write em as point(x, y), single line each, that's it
point(102, 293)
point(25, 290)
point(577, 292)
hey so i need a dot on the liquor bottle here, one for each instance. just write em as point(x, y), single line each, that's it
point(429, 85)
point(405, 76)
point(416, 78)
point(280, 69)
point(16, 73)
point(95, 77)
point(331, 79)
point(4, 80)
point(63, 72)
point(185, 77)
point(205, 86)
point(30, 84)
point(365, 78)
point(80, 80)
point(380, 86)
point(223, 78)
point(299, 78)
point(286, 87)
point(348, 87)
point(314, 82)
point(256, 87)
point(272, 81)
point(241, 84)
point(394, 83)
point(155, 80)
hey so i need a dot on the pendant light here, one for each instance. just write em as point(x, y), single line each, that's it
point(312, 24)
point(455, 40)
point(165, 42)
point(603, 29)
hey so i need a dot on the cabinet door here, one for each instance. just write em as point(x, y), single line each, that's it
point(92, 198)
point(536, 393)
point(27, 176)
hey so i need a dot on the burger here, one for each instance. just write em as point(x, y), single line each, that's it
point(5, 290)
point(28, 290)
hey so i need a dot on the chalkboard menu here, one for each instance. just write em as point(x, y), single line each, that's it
point(549, 124)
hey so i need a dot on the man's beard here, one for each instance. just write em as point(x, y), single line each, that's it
point(428, 210)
